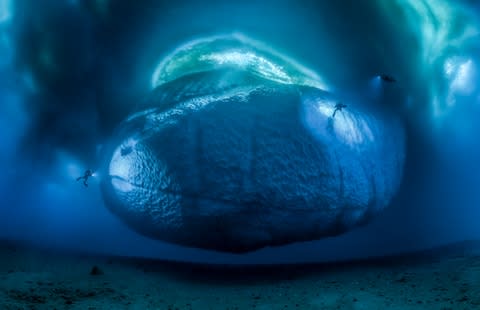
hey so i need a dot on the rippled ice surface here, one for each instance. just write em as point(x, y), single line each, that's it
point(238, 149)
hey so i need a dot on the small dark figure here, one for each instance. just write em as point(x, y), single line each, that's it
point(96, 271)
point(388, 78)
point(338, 107)
point(85, 177)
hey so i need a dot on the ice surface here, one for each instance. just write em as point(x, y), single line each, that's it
point(253, 162)
point(233, 51)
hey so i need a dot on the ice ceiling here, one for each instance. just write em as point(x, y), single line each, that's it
point(240, 150)
point(448, 35)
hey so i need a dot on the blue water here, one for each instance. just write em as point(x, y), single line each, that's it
point(71, 71)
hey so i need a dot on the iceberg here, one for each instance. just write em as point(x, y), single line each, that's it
point(234, 155)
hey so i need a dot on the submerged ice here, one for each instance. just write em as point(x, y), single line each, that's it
point(238, 150)
point(234, 51)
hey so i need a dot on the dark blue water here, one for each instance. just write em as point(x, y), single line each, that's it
point(72, 70)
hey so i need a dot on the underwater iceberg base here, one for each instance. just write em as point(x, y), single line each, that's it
point(247, 152)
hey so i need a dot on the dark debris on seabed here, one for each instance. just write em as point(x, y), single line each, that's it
point(34, 279)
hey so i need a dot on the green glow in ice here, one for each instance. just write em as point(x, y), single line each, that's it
point(234, 51)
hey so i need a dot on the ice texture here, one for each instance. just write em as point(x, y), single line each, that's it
point(231, 160)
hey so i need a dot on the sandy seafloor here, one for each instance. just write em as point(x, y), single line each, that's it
point(443, 278)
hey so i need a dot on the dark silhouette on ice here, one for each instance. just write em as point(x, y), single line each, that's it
point(338, 107)
point(388, 78)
